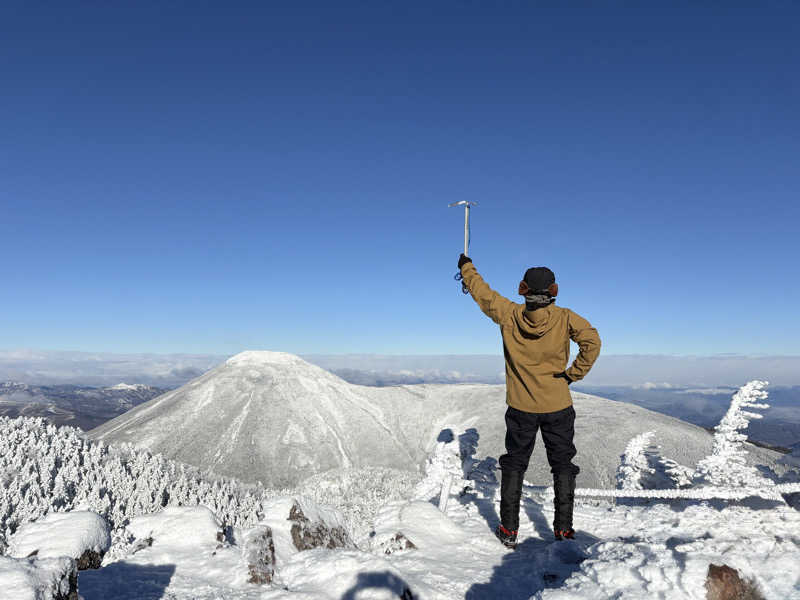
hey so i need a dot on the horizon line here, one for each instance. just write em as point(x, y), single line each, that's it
point(379, 354)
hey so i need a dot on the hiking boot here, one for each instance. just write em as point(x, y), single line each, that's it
point(508, 538)
point(564, 534)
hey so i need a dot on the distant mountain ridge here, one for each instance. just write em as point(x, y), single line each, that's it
point(79, 406)
point(274, 418)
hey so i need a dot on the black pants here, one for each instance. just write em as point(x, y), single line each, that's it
point(558, 430)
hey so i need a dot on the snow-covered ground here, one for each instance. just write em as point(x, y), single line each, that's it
point(653, 549)
point(385, 535)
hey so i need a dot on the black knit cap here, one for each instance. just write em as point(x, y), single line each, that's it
point(539, 279)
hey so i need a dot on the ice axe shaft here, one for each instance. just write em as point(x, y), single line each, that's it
point(466, 206)
point(466, 229)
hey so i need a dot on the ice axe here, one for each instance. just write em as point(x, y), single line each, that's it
point(466, 204)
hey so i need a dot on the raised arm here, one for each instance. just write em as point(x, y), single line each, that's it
point(494, 306)
point(582, 333)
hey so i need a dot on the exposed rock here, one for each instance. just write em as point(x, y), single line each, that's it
point(724, 583)
point(89, 560)
point(299, 524)
point(258, 552)
point(307, 534)
point(398, 543)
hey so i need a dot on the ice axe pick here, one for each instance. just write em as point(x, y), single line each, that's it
point(466, 204)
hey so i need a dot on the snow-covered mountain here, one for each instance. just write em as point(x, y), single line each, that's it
point(274, 418)
point(270, 417)
point(79, 406)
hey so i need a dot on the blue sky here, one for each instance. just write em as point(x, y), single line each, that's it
point(213, 177)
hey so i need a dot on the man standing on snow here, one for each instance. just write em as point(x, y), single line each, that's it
point(536, 339)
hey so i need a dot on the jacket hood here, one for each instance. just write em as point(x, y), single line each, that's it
point(535, 323)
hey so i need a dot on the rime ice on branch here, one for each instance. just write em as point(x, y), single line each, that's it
point(727, 466)
point(634, 463)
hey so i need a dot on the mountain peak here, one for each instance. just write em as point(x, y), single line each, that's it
point(252, 358)
point(128, 386)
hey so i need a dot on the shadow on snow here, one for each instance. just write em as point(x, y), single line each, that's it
point(383, 580)
point(536, 564)
point(482, 473)
point(125, 581)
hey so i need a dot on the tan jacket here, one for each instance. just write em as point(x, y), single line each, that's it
point(536, 347)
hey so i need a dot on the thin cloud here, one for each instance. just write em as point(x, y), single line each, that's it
point(718, 373)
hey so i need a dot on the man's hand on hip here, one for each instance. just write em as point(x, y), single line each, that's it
point(564, 376)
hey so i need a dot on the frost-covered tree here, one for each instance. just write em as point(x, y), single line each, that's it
point(443, 468)
point(643, 467)
point(44, 468)
point(727, 466)
point(634, 464)
point(359, 493)
point(679, 475)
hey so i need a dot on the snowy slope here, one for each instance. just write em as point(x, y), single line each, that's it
point(274, 418)
point(265, 416)
point(659, 549)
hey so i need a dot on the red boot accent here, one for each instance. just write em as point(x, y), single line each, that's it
point(506, 531)
point(564, 534)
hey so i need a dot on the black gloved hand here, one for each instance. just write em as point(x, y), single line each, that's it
point(462, 260)
point(563, 375)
